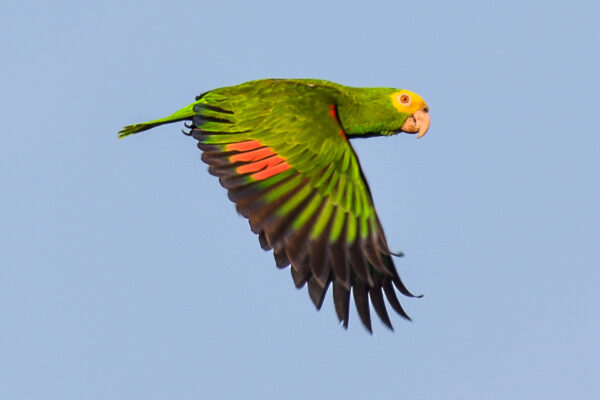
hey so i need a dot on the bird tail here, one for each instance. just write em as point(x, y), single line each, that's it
point(185, 113)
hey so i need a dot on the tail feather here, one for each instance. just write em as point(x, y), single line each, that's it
point(184, 114)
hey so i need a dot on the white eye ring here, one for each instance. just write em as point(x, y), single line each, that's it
point(404, 99)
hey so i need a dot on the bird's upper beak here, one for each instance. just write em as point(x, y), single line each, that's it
point(417, 123)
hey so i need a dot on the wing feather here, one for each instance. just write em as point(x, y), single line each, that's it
point(361, 300)
point(317, 292)
point(341, 300)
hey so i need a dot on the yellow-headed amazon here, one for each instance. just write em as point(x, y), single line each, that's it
point(281, 148)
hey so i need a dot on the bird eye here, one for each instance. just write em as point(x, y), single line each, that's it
point(404, 99)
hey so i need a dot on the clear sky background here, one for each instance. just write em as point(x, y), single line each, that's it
point(126, 273)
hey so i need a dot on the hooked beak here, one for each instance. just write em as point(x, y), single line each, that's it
point(417, 123)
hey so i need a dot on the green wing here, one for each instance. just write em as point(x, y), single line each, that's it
point(284, 158)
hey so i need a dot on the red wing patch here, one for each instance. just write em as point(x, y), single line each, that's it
point(253, 155)
point(333, 112)
point(270, 171)
point(334, 115)
point(243, 146)
point(261, 160)
point(261, 164)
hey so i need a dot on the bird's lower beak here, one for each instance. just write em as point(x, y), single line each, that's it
point(417, 123)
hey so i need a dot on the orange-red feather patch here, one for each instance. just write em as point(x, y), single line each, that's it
point(261, 160)
point(244, 146)
point(334, 115)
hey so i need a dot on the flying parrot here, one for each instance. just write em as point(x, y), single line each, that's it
point(280, 147)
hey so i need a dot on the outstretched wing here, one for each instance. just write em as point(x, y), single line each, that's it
point(283, 156)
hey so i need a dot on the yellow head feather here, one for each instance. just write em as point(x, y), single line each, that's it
point(407, 102)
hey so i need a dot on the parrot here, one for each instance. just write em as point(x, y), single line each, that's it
point(281, 148)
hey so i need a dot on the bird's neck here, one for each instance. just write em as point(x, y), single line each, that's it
point(367, 112)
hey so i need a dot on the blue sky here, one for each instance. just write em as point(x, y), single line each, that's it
point(126, 272)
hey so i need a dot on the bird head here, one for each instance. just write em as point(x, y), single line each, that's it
point(411, 104)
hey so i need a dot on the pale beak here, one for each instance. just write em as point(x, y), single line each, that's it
point(417, 123)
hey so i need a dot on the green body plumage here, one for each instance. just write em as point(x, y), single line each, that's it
point(281, 149)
